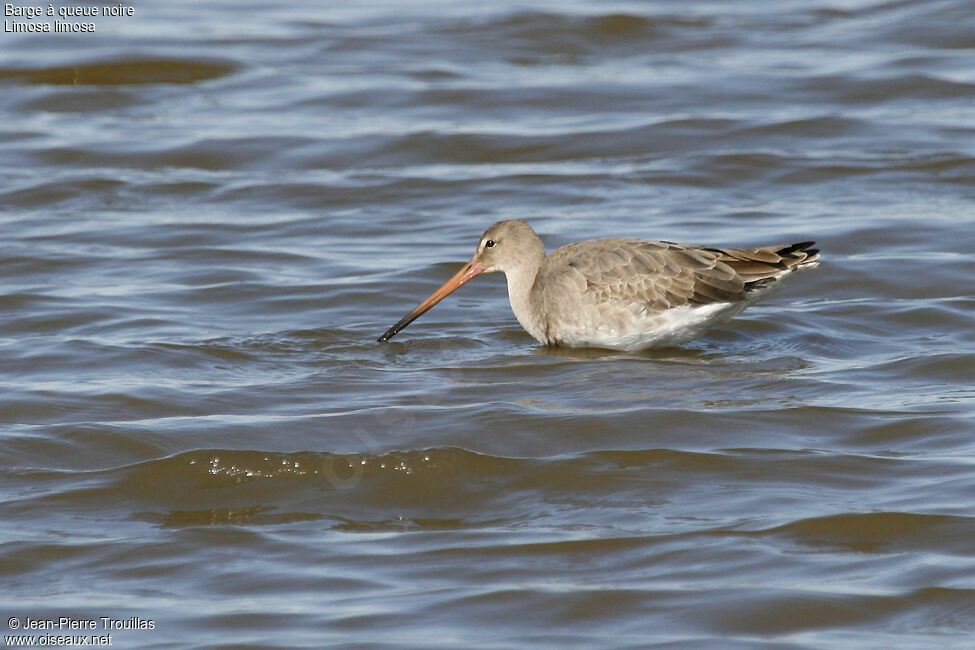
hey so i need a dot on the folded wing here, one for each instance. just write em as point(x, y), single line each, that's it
point(653, 276)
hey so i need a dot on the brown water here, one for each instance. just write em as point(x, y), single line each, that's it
point(208, 213)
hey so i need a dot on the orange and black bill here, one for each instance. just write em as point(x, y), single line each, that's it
point(471, 270)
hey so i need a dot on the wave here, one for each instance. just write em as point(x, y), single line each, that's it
point(122, 72)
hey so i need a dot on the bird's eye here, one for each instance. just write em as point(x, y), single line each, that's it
point(489, 243)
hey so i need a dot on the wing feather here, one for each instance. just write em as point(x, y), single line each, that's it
point(653, 276)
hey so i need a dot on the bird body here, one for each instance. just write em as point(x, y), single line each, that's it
point(622, 293)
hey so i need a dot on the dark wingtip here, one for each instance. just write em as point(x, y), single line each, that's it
point(804, 247)
point(799, 247)
point(807, 248)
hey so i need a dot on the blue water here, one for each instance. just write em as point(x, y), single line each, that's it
point(208, 214)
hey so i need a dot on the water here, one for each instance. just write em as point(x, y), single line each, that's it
point(209, 213)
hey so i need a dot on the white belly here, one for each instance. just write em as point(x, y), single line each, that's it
point(628, 331)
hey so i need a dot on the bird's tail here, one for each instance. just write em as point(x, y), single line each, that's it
point(760, 267)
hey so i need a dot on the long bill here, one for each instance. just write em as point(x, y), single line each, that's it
point(471, 270)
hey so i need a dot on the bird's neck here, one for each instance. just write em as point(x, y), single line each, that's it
point(521, 279)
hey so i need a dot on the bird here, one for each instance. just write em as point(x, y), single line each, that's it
point(621, 293)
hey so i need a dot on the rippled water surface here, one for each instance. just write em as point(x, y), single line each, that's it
point(208, 213)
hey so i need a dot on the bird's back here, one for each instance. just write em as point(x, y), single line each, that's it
point(623, 289)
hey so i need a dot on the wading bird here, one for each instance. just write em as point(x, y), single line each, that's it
point(621, 293)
